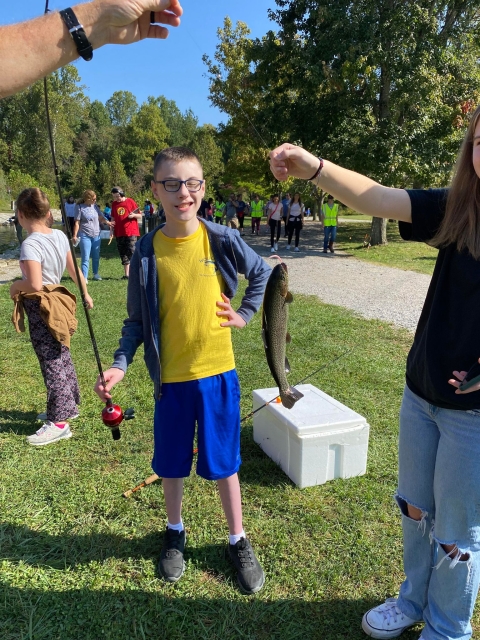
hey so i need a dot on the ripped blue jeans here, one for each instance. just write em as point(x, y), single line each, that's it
point(439, 473)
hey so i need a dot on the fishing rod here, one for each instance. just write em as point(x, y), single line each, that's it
point(112, 414)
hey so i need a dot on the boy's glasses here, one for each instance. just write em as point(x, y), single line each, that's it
point(174, 185)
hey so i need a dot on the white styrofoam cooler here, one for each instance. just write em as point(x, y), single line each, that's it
point(319, 439)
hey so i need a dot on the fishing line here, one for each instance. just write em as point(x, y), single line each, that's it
point(114, 428)
point(324, 366)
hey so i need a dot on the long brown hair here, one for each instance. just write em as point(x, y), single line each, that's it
point(461, 224)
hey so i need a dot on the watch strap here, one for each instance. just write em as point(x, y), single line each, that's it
point(83, 44)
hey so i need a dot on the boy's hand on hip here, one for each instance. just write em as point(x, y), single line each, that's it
point(112, 376)
point(233, 319)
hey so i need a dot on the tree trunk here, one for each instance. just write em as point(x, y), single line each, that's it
point(317, 205)
point(378, 232)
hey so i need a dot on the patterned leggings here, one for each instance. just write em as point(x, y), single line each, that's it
point(63, 394)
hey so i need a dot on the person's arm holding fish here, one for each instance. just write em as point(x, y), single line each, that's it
point(352, 189)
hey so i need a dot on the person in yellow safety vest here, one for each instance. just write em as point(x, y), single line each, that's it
point(219, 210)
point(329, 217)
point(256, 211)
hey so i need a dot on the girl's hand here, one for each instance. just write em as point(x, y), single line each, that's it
point(14, 289)
point(289, 160)
point(460, 376)
point(112, 376)
point(233, 319)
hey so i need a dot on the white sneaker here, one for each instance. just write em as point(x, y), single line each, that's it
point(43, 417)
point(49, 432)
point(288, 247)
point(272, 250)
point(297, 249)
point(275, 246)
point(386, 620)
point(96, 277)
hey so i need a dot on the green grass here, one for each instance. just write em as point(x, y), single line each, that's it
point(77, 561)
point(412, 256)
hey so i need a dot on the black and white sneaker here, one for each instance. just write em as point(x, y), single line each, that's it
point(171, 565)
point(250, 575)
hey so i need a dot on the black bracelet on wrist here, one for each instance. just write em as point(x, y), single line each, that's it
point(318, 171)
point(83, 44)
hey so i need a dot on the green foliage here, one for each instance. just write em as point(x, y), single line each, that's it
point(121, 108)
point(383, 87)
point(17, 181)
point(97, 145)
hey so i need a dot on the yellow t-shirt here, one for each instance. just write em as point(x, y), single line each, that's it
point(193, 345)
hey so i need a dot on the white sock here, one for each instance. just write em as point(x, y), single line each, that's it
point(176, 527)
point(236, 537)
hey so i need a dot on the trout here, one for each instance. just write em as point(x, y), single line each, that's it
point(274, 332)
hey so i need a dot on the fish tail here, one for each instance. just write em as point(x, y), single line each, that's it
point(290, 396)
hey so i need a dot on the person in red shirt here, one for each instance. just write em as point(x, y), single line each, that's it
point(125, 217)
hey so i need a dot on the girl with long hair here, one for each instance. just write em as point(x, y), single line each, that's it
point(295, 217)
point(438, 490)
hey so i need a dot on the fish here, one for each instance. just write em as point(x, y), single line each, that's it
point(275, 335)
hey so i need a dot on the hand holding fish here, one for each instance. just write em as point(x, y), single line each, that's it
point(290, 160)
point(233, 319)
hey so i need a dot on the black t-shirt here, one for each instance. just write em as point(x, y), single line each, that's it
point(448, 332)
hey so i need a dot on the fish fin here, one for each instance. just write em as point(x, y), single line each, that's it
point(288, 297)
point(290, 397)
point(288, 338)
point(287, 365)
point(264, 338)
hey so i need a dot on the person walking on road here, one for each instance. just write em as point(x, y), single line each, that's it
point(296, 212)
point(329, 218)
point(256, 211)
point(274, 218)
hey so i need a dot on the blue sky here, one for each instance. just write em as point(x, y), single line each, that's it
point(141, 68)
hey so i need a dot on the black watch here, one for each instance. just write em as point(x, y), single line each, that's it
point(84, 46)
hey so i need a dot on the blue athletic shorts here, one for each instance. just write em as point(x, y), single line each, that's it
point(212, 403)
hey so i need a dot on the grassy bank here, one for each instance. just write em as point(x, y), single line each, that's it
point(413, 256)
point(77, 561)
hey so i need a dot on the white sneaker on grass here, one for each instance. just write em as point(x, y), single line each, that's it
point(96, 277)
point(43, 417)
point(49, 432)
point(386, 620)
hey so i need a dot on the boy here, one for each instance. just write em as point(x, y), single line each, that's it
point(125, 217)
point(181, 280)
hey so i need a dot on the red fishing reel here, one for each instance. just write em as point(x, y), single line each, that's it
point(113, 416)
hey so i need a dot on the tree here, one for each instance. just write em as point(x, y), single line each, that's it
point(145, 136)
point(121, 107)
point(205, 146)
point(375, 84)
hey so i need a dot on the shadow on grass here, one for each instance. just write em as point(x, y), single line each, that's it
point(88, 614)
point(428, 258)
point(22, 423)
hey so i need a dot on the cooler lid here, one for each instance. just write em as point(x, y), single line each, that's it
point(316, 412)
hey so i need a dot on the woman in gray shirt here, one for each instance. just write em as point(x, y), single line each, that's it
point(87, 229)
